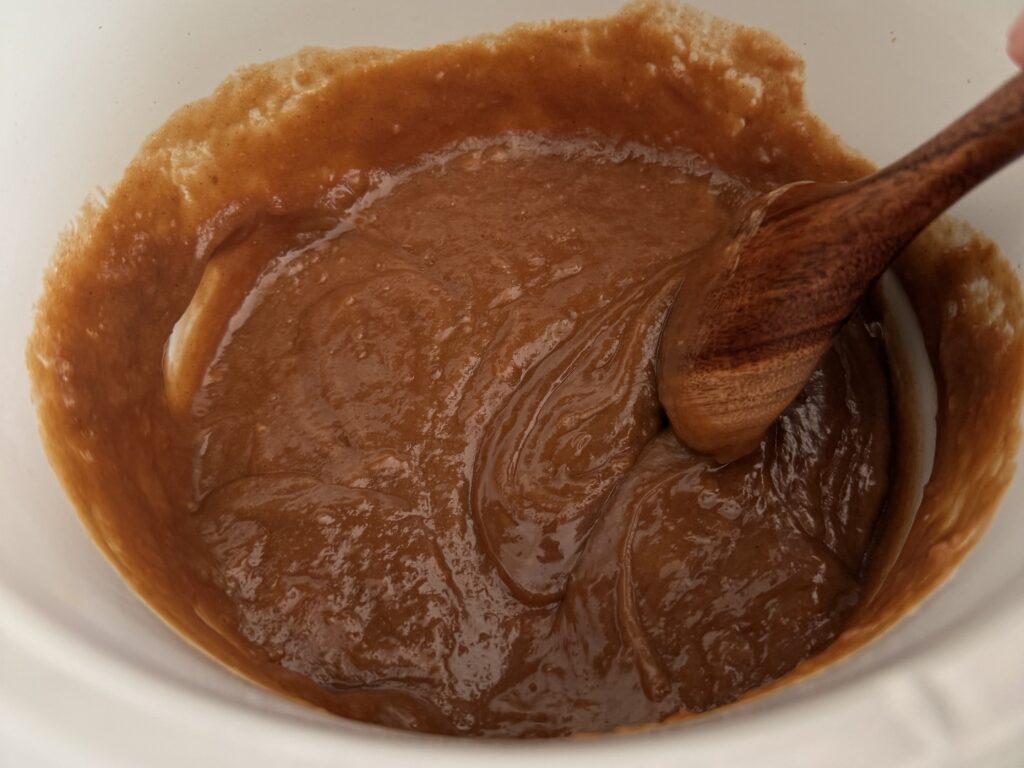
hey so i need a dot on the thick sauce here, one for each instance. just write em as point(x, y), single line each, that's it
point(432, 461)
point(354, 378)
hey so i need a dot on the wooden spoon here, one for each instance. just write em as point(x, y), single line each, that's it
point(748, 328)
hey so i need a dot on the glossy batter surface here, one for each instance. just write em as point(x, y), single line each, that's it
point(352, 376)
point(432, 460)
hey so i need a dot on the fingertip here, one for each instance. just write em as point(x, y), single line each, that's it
point(1015, 41)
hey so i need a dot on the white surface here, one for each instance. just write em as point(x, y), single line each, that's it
point(89, 677)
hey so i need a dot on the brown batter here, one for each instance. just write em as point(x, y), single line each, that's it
point(353, 378)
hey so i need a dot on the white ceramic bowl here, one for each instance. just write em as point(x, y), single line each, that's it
point(88, 676)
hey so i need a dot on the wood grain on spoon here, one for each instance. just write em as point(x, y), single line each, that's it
point(748, 329)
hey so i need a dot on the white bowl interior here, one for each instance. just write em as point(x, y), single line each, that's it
point(80, 88)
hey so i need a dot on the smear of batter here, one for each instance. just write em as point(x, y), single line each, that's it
point(431, 459)
point(353, 377)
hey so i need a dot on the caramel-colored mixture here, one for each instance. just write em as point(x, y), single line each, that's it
point(353, 377)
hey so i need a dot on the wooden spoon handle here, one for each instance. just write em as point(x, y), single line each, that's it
point(908, 194)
